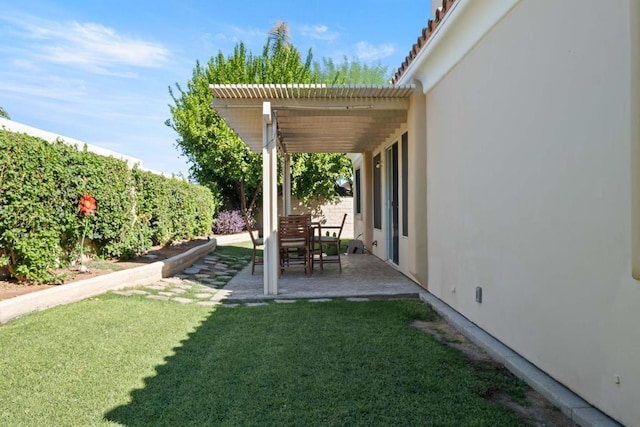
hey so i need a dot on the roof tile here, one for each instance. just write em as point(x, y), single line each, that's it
point(424, 37)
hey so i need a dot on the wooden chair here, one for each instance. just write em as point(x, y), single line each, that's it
point(330, 243)
point(294, 241)
point(258, 243)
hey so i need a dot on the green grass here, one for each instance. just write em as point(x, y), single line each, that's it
point(129, 361)
point(238, 250)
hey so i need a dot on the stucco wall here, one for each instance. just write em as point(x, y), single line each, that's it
point(528, 195)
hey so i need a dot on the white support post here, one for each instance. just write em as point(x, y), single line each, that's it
point(269, 200)
point(286, 184)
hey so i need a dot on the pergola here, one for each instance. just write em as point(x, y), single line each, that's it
point(305, 119)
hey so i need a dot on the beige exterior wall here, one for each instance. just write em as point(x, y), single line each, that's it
point(529, 194)
point(412, 259)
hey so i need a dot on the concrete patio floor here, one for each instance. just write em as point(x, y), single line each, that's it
point(362, 275)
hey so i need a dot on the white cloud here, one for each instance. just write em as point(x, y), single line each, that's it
point(369, 52)
point(89, 46)
point(232, 35)
point(318, 32)
point(51, 87)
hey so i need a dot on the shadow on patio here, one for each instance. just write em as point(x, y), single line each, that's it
point(362, 276)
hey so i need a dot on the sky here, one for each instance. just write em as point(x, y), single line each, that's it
point(99, 70)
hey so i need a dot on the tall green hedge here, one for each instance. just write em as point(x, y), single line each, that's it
point(40, 189)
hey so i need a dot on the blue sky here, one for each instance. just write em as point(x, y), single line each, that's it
point(99, 70)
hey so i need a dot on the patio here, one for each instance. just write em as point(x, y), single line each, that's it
point(362, 276)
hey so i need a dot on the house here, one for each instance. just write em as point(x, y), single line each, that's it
point(501, 172)
point(523, 183)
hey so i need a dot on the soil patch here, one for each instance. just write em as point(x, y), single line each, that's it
point(536, 410)
point(11, 288)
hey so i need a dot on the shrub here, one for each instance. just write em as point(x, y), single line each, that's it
point(229, 222)
point(40, 188)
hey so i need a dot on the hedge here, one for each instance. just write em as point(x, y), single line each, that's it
point(40, 226)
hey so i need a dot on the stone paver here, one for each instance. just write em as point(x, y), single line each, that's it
point(158, 297)
point(123, 293)
point(208, 303)
point(255, 304)
point(182, 300)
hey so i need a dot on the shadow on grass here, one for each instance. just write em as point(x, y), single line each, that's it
point(336, 363)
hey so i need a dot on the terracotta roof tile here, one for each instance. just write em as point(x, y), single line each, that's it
point(424, 37)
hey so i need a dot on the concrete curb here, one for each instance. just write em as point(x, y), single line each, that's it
point(572, 405)
point(76, 291)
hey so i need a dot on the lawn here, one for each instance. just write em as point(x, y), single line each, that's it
point(116, 360)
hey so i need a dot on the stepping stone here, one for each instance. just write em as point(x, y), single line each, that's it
point(139, 292)
point(356, 299)
point(255, 304)
point(123, 293)
point(285, 301)
point(221, 266)
point(320, 300)
point(208, 303)
point(183, 286)
point(203, 295)
point(191, 270)
point(182, 300)
point(158, 297)
point(202, 276)
point(171, 280)
point(229, 305)
point(167, 294)
point(200, 266)
point(156, 287)
point(177, 290)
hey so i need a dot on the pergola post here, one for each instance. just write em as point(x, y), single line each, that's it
point(286, 184)
point(270, 200)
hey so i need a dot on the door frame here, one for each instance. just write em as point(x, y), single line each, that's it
point(392, 199)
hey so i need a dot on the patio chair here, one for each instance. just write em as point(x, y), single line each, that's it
point(294, 241)
point(258, 243)
point(328, 243)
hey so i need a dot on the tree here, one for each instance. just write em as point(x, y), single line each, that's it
point(352, 72)
point(4, 114)
point(219, 159)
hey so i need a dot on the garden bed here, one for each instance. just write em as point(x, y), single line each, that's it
point(10, 288)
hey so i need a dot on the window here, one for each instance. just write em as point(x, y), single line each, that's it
point(377, 192)
point(405, 184)
point(357, 195)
